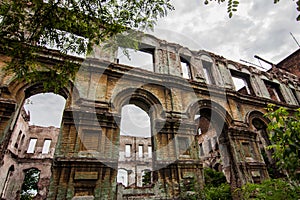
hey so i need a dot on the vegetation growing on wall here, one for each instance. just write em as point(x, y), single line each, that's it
point(271, 189)
point(30, 184)
point(215, 188)
point(284, 135)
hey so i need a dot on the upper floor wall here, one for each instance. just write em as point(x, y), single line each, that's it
point(278, 86)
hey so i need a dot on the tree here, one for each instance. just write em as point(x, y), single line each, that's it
point(27, 26)
point(30, 184)
point(270, 189)
point(232, 6)
point(285, 138)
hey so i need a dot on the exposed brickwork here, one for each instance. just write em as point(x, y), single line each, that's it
point(86, 157)
point(291, 63)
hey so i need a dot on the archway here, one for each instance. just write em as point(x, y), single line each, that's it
point(212, 136)
point(258, 123)
point(135, 150)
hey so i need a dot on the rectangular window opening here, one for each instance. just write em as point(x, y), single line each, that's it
point(149, 151)
point(241, 82)
point(274, 91)
point(127, 150)
point(201, 149)
point(31, 146)
point(142, 58)
point(296, 96)
point(18, 140)
point(207, 69)
point(185, 68)
point(46, 146)
point(141, 151)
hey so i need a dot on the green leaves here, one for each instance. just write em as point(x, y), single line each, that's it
point(71, 26)
point(232, 7)
point(271, 189)
point(284, 131)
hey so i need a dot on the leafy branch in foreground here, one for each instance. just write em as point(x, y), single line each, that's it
point(284, 131)
point(72, 26)
point(232, 6)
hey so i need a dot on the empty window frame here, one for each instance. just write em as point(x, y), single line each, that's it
point(185, 68)
point(141, 151)
point(201, 151)
point(46, 146)
point(184, 146)
point(295, 95)
point(209, 146)
point(18, 140)
point(274, 91)
point(142, 58)
point(127, 150)
point(31, 146)
point(149, 151)
point(207, 69)
point(241, 82)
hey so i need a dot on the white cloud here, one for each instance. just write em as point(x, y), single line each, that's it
point(257, 28)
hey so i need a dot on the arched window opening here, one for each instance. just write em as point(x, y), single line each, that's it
point(146, 177)
point(6, 182)
point(45, 109)
point(122, 177)
point(135, 150)
point(263, 141)
point(211, 134)
point(37, 126)
point(135, 122)
point(29, 188)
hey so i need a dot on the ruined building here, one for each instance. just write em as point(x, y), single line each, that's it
point(205, 111)
point(29, 148)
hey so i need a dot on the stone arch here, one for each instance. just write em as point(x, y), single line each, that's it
point(218, 110)
point(258, 123)
point(20, 90)
point(213, 139)
point(252, 115)
point(139, 97)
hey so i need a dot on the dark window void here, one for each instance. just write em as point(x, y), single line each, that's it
point(185, 68)
point(201, 151)
point(18, 140)
point(242, 83)
point(296, 96)
point(142, 58)
point(30, 184)
point(274, 91)
point(207, 69)
point(90, 140)
point(184, 146)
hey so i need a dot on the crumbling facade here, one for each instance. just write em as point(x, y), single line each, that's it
point(205, 110)
point(30, 147)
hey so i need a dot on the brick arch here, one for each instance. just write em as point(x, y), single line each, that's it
point(21, 89)
point(218, 111)
point(139, 97)
point(253, 116)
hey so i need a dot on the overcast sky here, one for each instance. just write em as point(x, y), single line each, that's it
point(259, 27)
